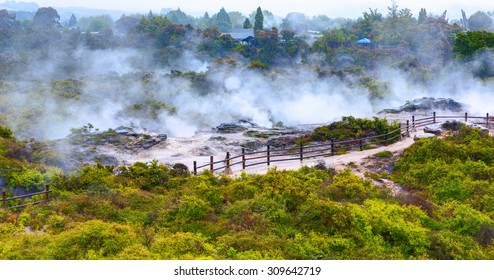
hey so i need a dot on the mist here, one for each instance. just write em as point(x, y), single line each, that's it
point(112, 81)
point(191, 80)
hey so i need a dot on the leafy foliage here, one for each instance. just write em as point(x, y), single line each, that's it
point(6, 133)
point(146, 211)
point(259, 20)
point(152, 211)
point(351, 128)
point(467, 44)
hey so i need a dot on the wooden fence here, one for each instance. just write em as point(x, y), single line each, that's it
point(45, 194)
point(301, 152)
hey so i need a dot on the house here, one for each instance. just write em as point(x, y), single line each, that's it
point(243, 36)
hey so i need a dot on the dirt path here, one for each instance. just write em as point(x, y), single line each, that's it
point(187, 150)
point(339, 162)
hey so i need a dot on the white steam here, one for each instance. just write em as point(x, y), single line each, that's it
point(296, 96)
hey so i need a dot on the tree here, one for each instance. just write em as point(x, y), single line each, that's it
point(178, 17)
point(292, 46)
point(393, 10)
point(366, 23)
point(398, 28)
point(259, 20)
point(422, 16)
point(96, 23)
point(214, 43)
point(126, 23)
point(236, 19)
point(222, 21)
point(205, 21)
point(287, 35)
point(269, 45)
point(405, 14)
point(152, 27)
point(247, 24)
point(46, 17)
point(320, 23)
point(479, 21)
point(296, 21)
point(467, 44)
point(329, 43)
point(72, 21)
point(44, 30)
point(7, 20)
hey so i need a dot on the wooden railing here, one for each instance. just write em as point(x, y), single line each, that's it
point(45, 194)
point(301, 152)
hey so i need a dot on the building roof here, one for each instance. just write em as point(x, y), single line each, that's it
point(240, 34)
point(364, 41)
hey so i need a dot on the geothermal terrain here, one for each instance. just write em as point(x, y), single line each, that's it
point(127, 145)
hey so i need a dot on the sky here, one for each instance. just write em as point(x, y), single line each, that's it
point(331, 8)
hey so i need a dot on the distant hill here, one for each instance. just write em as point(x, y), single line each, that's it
point(19, 6)
point(79, 12)
point(165, 11)
point(24, 15)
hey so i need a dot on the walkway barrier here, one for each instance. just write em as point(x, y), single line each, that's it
point(268, 155)
point(44, 194)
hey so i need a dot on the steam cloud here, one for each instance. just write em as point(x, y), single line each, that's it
point(295, 96)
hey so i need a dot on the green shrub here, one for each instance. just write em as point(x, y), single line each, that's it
point(384, 154)
point(6, 133)
point(29, 179)
point(91, 240)
point(183, 246)
point(351, 128)
point(147, 176)
point(351, 188)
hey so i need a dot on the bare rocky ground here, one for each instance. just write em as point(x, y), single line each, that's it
point(125, 146)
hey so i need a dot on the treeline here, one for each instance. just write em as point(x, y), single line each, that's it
point(151, 211)
point(418, 45)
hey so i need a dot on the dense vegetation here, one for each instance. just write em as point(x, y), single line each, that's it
point(169, 36)
point(353, 128)
point(50, 73)
point(150, 211)
point(49, 65)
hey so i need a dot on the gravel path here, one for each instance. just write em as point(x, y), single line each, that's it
point(338, 162)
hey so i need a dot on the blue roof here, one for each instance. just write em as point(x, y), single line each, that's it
point(364, 41)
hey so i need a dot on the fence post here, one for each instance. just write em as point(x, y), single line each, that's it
point(466, 116)
point(413, 122)
point(4, 199)
point(332, 146)
point(408, 128)
point(268, 155)
point(211, 163)
point(386, 137)
point(301, 152)
point(227, 159)
point(487, 120)
point(433, 117)
point(195, 167)
point(360, 144)
point(47, 192)
point(243, 158)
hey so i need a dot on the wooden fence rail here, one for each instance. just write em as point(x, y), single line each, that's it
point(333, 147)
point(45, 193)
